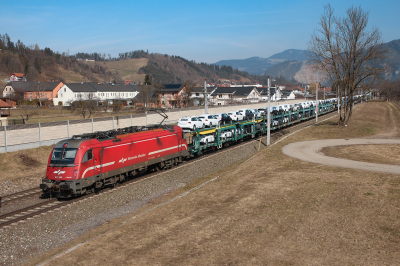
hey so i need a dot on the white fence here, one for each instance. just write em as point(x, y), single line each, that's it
point(18, 137)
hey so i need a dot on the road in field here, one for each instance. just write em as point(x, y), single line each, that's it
point(310, 151)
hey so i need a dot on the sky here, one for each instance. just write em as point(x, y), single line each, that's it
point(204, 31)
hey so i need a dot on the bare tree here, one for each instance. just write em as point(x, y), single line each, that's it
point(118, 104)
point(17, 96)
point(104, 106)
point(157, 90)
point(390, 90)
point(27, 112)
point(85, 105)
point(187, 92)
point(39, 91)
point(349, 54)
point(145, 95)
point(149, 94)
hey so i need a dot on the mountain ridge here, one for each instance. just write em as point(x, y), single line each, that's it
point(293, 64)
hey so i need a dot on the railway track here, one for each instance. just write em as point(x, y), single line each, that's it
point(52, 204)
point(7, 199)
point(22, 214)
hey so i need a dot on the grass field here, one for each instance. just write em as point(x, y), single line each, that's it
point(58, 114)
point(270, 210)
point(126, 69)
point(384, 154)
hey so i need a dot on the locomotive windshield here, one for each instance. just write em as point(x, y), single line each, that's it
point(63, 156)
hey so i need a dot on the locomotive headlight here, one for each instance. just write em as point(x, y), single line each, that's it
point(75, 174)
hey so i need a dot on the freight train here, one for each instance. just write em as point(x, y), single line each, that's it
point(86, 163)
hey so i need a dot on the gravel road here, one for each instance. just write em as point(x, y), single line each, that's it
point(310, 151)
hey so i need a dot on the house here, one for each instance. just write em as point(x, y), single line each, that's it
point(226, 95)
point(4, 109)
point(18, 77)
point(109, 92)
point(31, 90)
point(72, 92)
point(4, 112)
point(298, 90)
point(43, 90)
point(173, 96)
point(222, 95)
point(17, 88)
point(288, 95)
point(248, 94)
point(9, 101)
point(274, 93)
point(115, 92)
point(197, 94)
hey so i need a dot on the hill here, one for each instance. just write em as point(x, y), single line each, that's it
point(290, 54)
point(393, 59)
point(259, 65)
point(46, 65)
point(253, 65)
point(287, 69)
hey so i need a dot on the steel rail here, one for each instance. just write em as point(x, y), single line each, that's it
point(18, 195)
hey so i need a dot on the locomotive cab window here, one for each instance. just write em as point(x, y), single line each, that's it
point(63, 156)
point(88, 156)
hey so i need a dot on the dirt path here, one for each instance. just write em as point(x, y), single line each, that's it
point(392, 127)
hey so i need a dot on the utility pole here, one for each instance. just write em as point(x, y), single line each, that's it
point(269, 113)
point(338, 99)
point(205, 97)
point(316, 95)
point(305, 92)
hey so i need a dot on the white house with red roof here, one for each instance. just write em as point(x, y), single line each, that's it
point(18, 77)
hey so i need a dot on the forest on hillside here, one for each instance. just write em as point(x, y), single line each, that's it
point(45, 65)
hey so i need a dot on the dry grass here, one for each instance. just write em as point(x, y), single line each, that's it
point(70, 76)
point(57, 114)
point(3, 83)
point(383, 154)
point(22, 169)
point(270, 210)
point(126, 69)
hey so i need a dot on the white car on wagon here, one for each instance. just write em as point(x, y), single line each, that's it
point(191, 123)
point(209, 120)
point(236, 116)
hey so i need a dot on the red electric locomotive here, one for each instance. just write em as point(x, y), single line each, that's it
point(91, 161)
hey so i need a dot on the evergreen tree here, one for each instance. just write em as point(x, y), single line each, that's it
point(147, 80)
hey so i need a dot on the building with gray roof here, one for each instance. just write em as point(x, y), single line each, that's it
point(101, 92)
